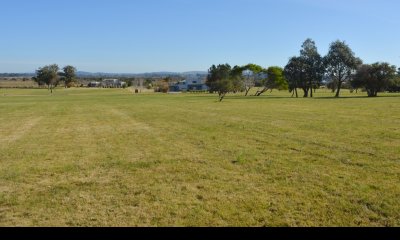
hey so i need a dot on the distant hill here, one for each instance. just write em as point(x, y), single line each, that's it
point(149, 74)
point(104, 74)
point(5, 75)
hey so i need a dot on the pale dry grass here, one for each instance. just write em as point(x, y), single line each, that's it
point(18, 84)
point(16, 131)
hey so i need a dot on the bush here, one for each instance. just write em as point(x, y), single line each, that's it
point(71, 84)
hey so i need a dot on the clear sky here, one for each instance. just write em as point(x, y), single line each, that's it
point(133, 36)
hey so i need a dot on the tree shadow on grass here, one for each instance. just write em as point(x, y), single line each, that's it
point(355, 97)
point(238, 97)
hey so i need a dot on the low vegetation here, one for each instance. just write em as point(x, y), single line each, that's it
point(107, 157)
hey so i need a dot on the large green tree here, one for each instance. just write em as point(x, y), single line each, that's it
point(306, 71)
point(48, 75)
point(341, 64)
point(374, 78)
point(313, 65)
point(220, 80)
point(68, 75)
point(295, 75)
point(274, 80)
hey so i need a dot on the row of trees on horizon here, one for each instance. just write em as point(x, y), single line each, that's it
point(308, 72)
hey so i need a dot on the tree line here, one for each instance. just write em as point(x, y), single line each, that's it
point(307, 72)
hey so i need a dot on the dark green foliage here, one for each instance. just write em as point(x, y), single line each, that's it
point(374, 78)
point(221, 80)
point(394, 85)
point(313, 67)
point(68, 75)
point(295, 75)
point(47, 75)
point(273, 79)
point(341, 63)
point(276, 79)
point(306, 71)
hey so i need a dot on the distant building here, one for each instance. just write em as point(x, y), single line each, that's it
point(113, 83)
point(94, 84)
point(191, 83)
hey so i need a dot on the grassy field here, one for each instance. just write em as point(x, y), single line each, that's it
point(103, 157)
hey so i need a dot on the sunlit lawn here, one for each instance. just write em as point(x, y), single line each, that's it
point(107, 157)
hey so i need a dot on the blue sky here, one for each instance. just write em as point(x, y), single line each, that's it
point(134, 36)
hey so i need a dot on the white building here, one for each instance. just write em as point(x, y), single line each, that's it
point(191, 83)
point(113, 83)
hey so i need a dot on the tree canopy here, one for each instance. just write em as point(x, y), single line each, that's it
point(295, 75)
point(341, 63)
point(313, 67)
point(48, 75)
point(375, 77)
point(220, 80)
point(68, 75)
point(306, 71)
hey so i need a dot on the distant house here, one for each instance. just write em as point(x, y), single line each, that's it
point(94, 84)
point(191, 83)
point(113, 83)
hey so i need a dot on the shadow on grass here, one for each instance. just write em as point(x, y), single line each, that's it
point(319, 97)
point(355, 97)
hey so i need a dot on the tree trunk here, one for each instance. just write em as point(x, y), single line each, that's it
point(372, 93)
point(258, 93)
point(338, 89)
point(305, 90)
point(247, 89)
point(297, 95)
point(221, 96)
point(311, 92)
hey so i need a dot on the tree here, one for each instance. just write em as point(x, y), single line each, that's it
point(251, 74)
point(313, 67)
point(219, 80)
point(394, 85)
point(341, 63)
point(295, 74)
point(163, 85)
point(306, 71)
point(374, 78)
point(274, 80)
point(68, 75)
point(48, 75)
point(238, 79)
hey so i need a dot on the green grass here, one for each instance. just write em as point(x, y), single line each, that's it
point(104, 157)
